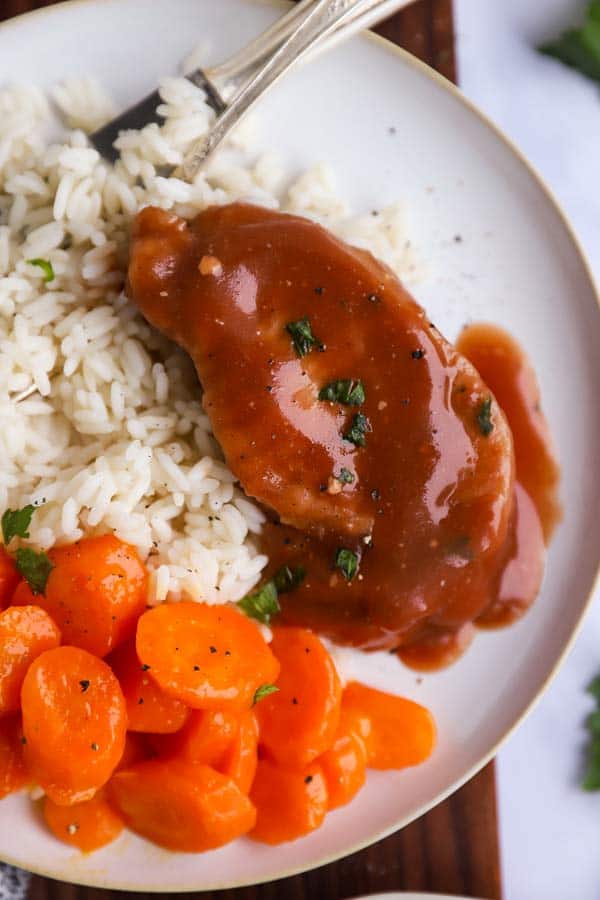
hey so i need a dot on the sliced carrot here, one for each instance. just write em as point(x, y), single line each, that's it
point(9, 578)
point(205, 737)
point(87, 826)
point(74, 722)
point(25, 632)
point(95, 592)
point(181, 806)
point(288, 804)
point(148, 707)
point(13, 771)
point(299, 721)
point(241, 758)
point(344, 767)
point(402, 732)
point(211, 657)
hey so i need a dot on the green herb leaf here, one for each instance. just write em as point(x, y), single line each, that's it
point(263, 691)
point(15, 522)
point(288, 578)
point(347, 562)
point(302, 337)
point(359, 427)
point(579, 48)
point(348, 391)
point(34, 567)
point(46, 266)
point(261, 604)
point(345, 476)
point(591, 781)
point(484, 417)
point(594, 688)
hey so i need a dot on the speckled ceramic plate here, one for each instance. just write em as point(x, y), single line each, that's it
point(394, 129)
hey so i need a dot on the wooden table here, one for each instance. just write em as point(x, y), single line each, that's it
point(454, 848)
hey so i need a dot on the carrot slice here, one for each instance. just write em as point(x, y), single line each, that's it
point(402, 732)
point(13, 771)
point(9, 578)
point(344, 767)
point(87, 826)
point(74, 723)
point(205, 737)
point(211, 657)
point(25, 632)
point(241, 758)
point(148, 708)
point(181, 806)
point(299, 722)
point(288, 804)
point(95, 592)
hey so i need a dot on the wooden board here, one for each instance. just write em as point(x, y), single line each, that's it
point(454, 848)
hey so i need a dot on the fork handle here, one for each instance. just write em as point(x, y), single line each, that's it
point(321, 19)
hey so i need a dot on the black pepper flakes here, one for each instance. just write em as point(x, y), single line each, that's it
point(375, 494)
point(196, 668)
point(373, 298)
point(144, 667)
point(308, 779)
point(418, 354)
point(319, 290)
point(212, 649)
point(84, 684)
point(140, 701)
point(94, 746)
point(294, 701)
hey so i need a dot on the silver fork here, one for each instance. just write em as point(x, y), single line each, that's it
point(311, 25)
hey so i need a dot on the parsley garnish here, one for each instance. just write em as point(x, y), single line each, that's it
point(591, 781)
point(261, 604)
point(287, 578)
point(345, 476)
point(348, 391)
point(34, 567)
point(347, 562)
point(359, 426)
point(15, 522)
point(46, 266)
point(484, 417)
point(302, 337)
point(263, 691)
point(579, 47)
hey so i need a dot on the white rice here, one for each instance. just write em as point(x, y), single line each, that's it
point(100, 417)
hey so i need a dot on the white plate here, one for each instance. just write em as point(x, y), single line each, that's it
point(517, 265)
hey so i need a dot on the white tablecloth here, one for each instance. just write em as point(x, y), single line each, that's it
point(550, 828)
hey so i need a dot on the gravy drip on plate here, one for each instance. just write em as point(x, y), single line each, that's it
point(397, 496)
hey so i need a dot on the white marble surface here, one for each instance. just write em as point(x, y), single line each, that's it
point(550, 828)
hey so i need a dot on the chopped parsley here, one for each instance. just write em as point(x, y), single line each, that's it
point(347, 562)
point(288, 578)
point(34, 567)
point(345, 476)
point(484, 417)
point(15, 522)
point(302, 337)
point(359, 427)
point(261, 604)
point(349, 391)
point(579, 48)
point(591, 780)
point(46, 266)
point(263, 691)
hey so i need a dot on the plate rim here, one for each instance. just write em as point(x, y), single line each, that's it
point(99, 881)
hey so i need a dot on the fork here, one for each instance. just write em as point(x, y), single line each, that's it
point(309, 26)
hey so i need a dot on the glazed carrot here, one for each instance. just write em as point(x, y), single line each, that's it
point(205, 737)
point(402, 732)
point(74, 723)
point(344, 767)
point(240, 760)
point(9, 578)
point(299, 722)
point(181, 806)
point(148, 708)
point(211, 657)
point(87, 826)
point(25, 632)
point(95, 592)
point(288, 804)
point(13, 772)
